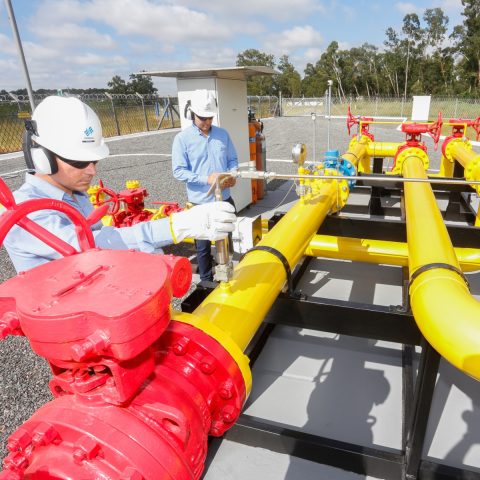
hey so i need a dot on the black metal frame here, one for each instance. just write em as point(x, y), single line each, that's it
point(393, 323)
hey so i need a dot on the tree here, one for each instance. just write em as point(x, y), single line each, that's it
point(261, 84)
point(468, 38)
point(141, 84)
point(289, 81)
point(117, 85)
point(413, 38)
point(314, 81)
point(138, 84)
point(439, 61)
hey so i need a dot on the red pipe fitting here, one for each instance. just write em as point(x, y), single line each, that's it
point(137, 394)
point(196, 389)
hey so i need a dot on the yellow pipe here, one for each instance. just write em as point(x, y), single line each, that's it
point(233, 312)
point(378, 251)
point(239, 306)
point(446, 313)
point(462, 152)
point(383, 149)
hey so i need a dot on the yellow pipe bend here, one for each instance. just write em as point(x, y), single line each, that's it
point(443, 308)
point(462, 152)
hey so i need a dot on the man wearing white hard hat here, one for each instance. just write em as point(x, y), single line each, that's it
point(62, 146)
point(199, 154)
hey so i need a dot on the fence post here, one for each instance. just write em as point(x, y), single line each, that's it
point(456, 107)
point(144, 112)
point(114, 112)
point(16, 100)
point(401, 107)
point(280, 105)
point(171, 112)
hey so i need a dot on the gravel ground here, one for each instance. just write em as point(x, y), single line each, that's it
point(24, 376)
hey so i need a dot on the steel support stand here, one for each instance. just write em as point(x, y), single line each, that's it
point(424, 389)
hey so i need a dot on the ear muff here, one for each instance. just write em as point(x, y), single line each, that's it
point(44, 160)
point(37, 158)
point(187, 113)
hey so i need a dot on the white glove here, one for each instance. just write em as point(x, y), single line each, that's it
point(210, 221)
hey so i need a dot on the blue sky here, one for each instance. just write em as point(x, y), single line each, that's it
point(84, 43)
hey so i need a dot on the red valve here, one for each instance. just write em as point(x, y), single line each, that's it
point(351, 120)
point(459, 126)
point(364, 123)
point(113, 199)
point(414, 131)
point(136, 394)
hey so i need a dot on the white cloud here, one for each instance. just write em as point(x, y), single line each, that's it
point(290, 40)
point(405, 8)
point(88, 59)
point(451, 6)
point(344, 46)
point(6, 45)
point(312, 55)
point(162, 22)
point(72, 35)
point(280, 10)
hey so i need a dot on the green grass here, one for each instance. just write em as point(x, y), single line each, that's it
point(131, 118)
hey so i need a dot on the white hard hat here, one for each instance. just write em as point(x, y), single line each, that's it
point(69, 128)
point(203, 103)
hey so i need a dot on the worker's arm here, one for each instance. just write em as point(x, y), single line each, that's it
point(212, 221)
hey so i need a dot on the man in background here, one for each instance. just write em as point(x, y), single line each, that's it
point(200, 153)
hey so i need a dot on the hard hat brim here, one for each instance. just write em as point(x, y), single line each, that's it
point(204, 113)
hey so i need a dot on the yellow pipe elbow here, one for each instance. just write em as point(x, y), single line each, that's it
point(443, 308)
point(462, 152)
point(448, 317)
point(358, 154)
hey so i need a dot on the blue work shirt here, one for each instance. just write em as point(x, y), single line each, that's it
point(195, 157)
point(27, 251)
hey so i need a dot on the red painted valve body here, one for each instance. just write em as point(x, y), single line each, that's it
point(134, 211)
point(133, 202)
point(133, 401)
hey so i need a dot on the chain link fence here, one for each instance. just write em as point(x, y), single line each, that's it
point(125, 114)
point(119, 115)
point(392, 107)
point(264, 106)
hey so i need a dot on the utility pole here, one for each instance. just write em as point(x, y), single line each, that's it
point(330, 83)
point(406, 71)
point(18, 42)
